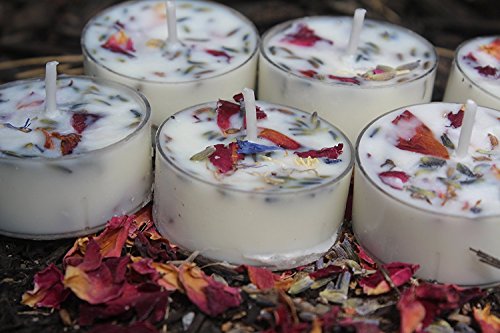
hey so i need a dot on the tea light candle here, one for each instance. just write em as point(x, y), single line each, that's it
point(475, 73)
point(276, 201)
point(318, 64)
point(210, 52)
point(427, 188)
point(72, 155)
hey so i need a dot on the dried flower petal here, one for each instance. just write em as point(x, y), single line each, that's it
point(395, 179)
point(422, 140)
point(81, 120)
point(279, 139)
point(326, 272)
point(262, 278)
point(225, 157)
point(49, 290)
point(217, 53)
point(411, 311)
point(488, 322)
point(486, 70)
point(330, 152)
point(210, 296)
point(492, 48)
point(225, 110)
point(120, 43)
point(246, 147)
point(352, 80)
point(68, 141)
point(29, 101)
point(456, 118)
point(304, 36)
point(400, 273)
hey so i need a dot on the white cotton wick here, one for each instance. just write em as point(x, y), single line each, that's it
point(250, 114)
point(50, 88)
point(466, 129)
point(357, 25)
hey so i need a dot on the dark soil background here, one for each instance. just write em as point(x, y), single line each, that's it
point(46, 28)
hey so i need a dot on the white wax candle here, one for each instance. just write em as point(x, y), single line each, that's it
point(357, 25)
point(475, 73)
point(303, 64)
point(466, 131)
point(50, 88)
point(250, 114)
point(127, 43)
point(68, 174)
point(416, 201)
point(272, 208)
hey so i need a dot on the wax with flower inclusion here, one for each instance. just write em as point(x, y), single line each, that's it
point(127, 43)
point(416, 201)
point(303, 63)
point(272, 208)
point(475, 73)
point(67, 172)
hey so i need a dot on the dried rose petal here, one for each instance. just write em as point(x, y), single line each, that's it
point(304, 36)
point(308, 73)
point(279, 139)
point(326, 272)
point(225, 157)
point(488, 322)
point(49, 143)
point(217, 53)
point(352, 80)
point(49, 290)
point(422, 141)
point(470, 57)
point(330, 152)
point(156, 249)
point(366, 261)
point(225, 110)
point(164, 275)
point(137, 327)
point(400, 273)
point(81, 120)
point(120, 43)
point(486, 70)
point(395, 179)
point(262, 278)
point(210, 296)
point(412, 312)
point(29, 101)
point(493, 48)
point(113, 238)
point(68, 141)
point(456, 118)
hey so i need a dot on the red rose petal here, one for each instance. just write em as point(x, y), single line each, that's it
point(217, 53)
point(422, 141)
point(225, 110)
point(395, 179)
point(326, 272)
point(486, 70)
point(400, 273)
point(488, 322)
point(49, 290)
point(456, 118)
point(308, 73)
point(330, 153)
point(262, 278)
point(68, 141)
point(352, 80)
point(304, 36)
point(81, 120)
point(225, 157)
point(120, 43)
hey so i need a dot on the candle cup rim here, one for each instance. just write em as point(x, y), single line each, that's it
point(463, 72)
point(332, 182)
point(282, 26)
point(88, 54)
point(392, 196)
point(139, 97)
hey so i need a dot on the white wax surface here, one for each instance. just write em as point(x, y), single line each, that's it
point(115, 115)
point(201, 26)
point(479, 53)
point(476, 196)
point(380, 44)
point(183, 135)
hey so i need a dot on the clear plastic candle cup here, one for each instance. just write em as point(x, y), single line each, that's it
point(277, 201)
point(475, 73)
point(65, 172)
point(417, 200)
point(216, 53)
point(305, 63)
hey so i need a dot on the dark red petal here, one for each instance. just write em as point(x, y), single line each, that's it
point(120, 43)
point(225, 157)
point(326, 272)
point(68, 141)
point(456, 118)
point(304, 36)
point(376, 284)
point(262, 278)
point(279, 139)
point(81, 120)
point(395, 179)
point(308, 73)
point(470, 57)
point(352, 80)
point(331, 152)
point(217, 53)
point(49, 290)
point(486, 70)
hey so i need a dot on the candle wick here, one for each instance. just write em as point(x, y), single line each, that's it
point(173, 42)
point(50, 88)
point(357, 25)
point(250, 114)
point(466, 129)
